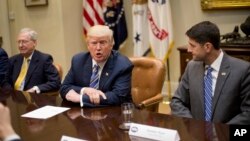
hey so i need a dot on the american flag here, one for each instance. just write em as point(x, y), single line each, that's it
point(108, 12)
point(92, 14)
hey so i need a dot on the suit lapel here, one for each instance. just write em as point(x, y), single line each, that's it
point(199, 75)
point(17, 67)
point(106, 72)
point(221, 79)
point(34, 62)
point(87, 71)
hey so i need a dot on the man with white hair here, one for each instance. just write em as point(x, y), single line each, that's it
point(100, 77)
point(32, 70)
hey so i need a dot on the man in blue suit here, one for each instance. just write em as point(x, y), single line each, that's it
point(40, 74)
point(4, 65)
point(113, 81)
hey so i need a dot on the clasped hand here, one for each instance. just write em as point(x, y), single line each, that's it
point(94, 95)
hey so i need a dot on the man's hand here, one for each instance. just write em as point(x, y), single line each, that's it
point(94, 95)
point(31, 90)
point(34, 89)
point(73, 96)
point(5, 122)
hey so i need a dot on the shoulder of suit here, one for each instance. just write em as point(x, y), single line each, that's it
point(120, 59)
point(15, 57)
point(42, 55)
point(3, 52)
point(81, 55)
point(235, 61)
point(193, 63)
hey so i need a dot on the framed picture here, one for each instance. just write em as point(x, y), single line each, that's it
point(224, 4)
point(30, 3)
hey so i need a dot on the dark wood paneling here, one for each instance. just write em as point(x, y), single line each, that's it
point(238, 51)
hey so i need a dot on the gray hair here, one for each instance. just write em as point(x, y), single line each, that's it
point(32, 33)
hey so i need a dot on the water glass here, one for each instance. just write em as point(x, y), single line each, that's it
point(127, 110)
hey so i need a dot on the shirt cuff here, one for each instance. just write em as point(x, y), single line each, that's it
point(81, 94)
point(37, 89)
point(81, 102)
point(12, 137)
point(82, 91)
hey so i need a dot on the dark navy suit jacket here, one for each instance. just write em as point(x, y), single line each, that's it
point(3, 65)
point(41, 72)
point(115, 80)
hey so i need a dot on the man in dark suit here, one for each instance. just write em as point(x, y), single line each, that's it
point(230, 81)
point(4, 62)
point(6, 130)
point(113, 77)
point(32, 70)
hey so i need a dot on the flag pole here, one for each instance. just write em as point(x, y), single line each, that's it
point(146, 52)
point(167, 98)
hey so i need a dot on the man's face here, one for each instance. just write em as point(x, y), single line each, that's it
point(99, 48)
point(197, 50)
point(25, 45)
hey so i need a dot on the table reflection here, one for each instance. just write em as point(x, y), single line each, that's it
point(94, 123)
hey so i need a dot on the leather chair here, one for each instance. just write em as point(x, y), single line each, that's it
point(148, 77)
point(59, 69)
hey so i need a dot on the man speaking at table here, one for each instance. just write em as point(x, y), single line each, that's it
point(100, 77)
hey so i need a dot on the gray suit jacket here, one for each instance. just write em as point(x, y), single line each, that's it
point(231, 101)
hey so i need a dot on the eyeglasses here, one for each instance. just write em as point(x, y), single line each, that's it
point(23, 41)
point(102, 43)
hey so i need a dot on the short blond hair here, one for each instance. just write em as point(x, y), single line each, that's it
point(99, 31)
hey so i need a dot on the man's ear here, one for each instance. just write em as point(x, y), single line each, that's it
point(35, 43)
point(208, 47)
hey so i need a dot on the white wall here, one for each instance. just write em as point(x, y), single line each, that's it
point(60, 31)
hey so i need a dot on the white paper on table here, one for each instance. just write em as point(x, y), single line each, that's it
point(67, 138)
point(45, 112)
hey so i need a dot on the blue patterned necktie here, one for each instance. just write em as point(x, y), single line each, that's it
point(94, 80)
point(208, 94)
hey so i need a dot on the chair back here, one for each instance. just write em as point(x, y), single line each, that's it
point(59, 69)
point(148, 77)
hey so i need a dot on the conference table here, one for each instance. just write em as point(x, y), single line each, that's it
point(95, 123)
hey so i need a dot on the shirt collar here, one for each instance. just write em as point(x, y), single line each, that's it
point(101, 65)
point(217, 62)
point(30, 57)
